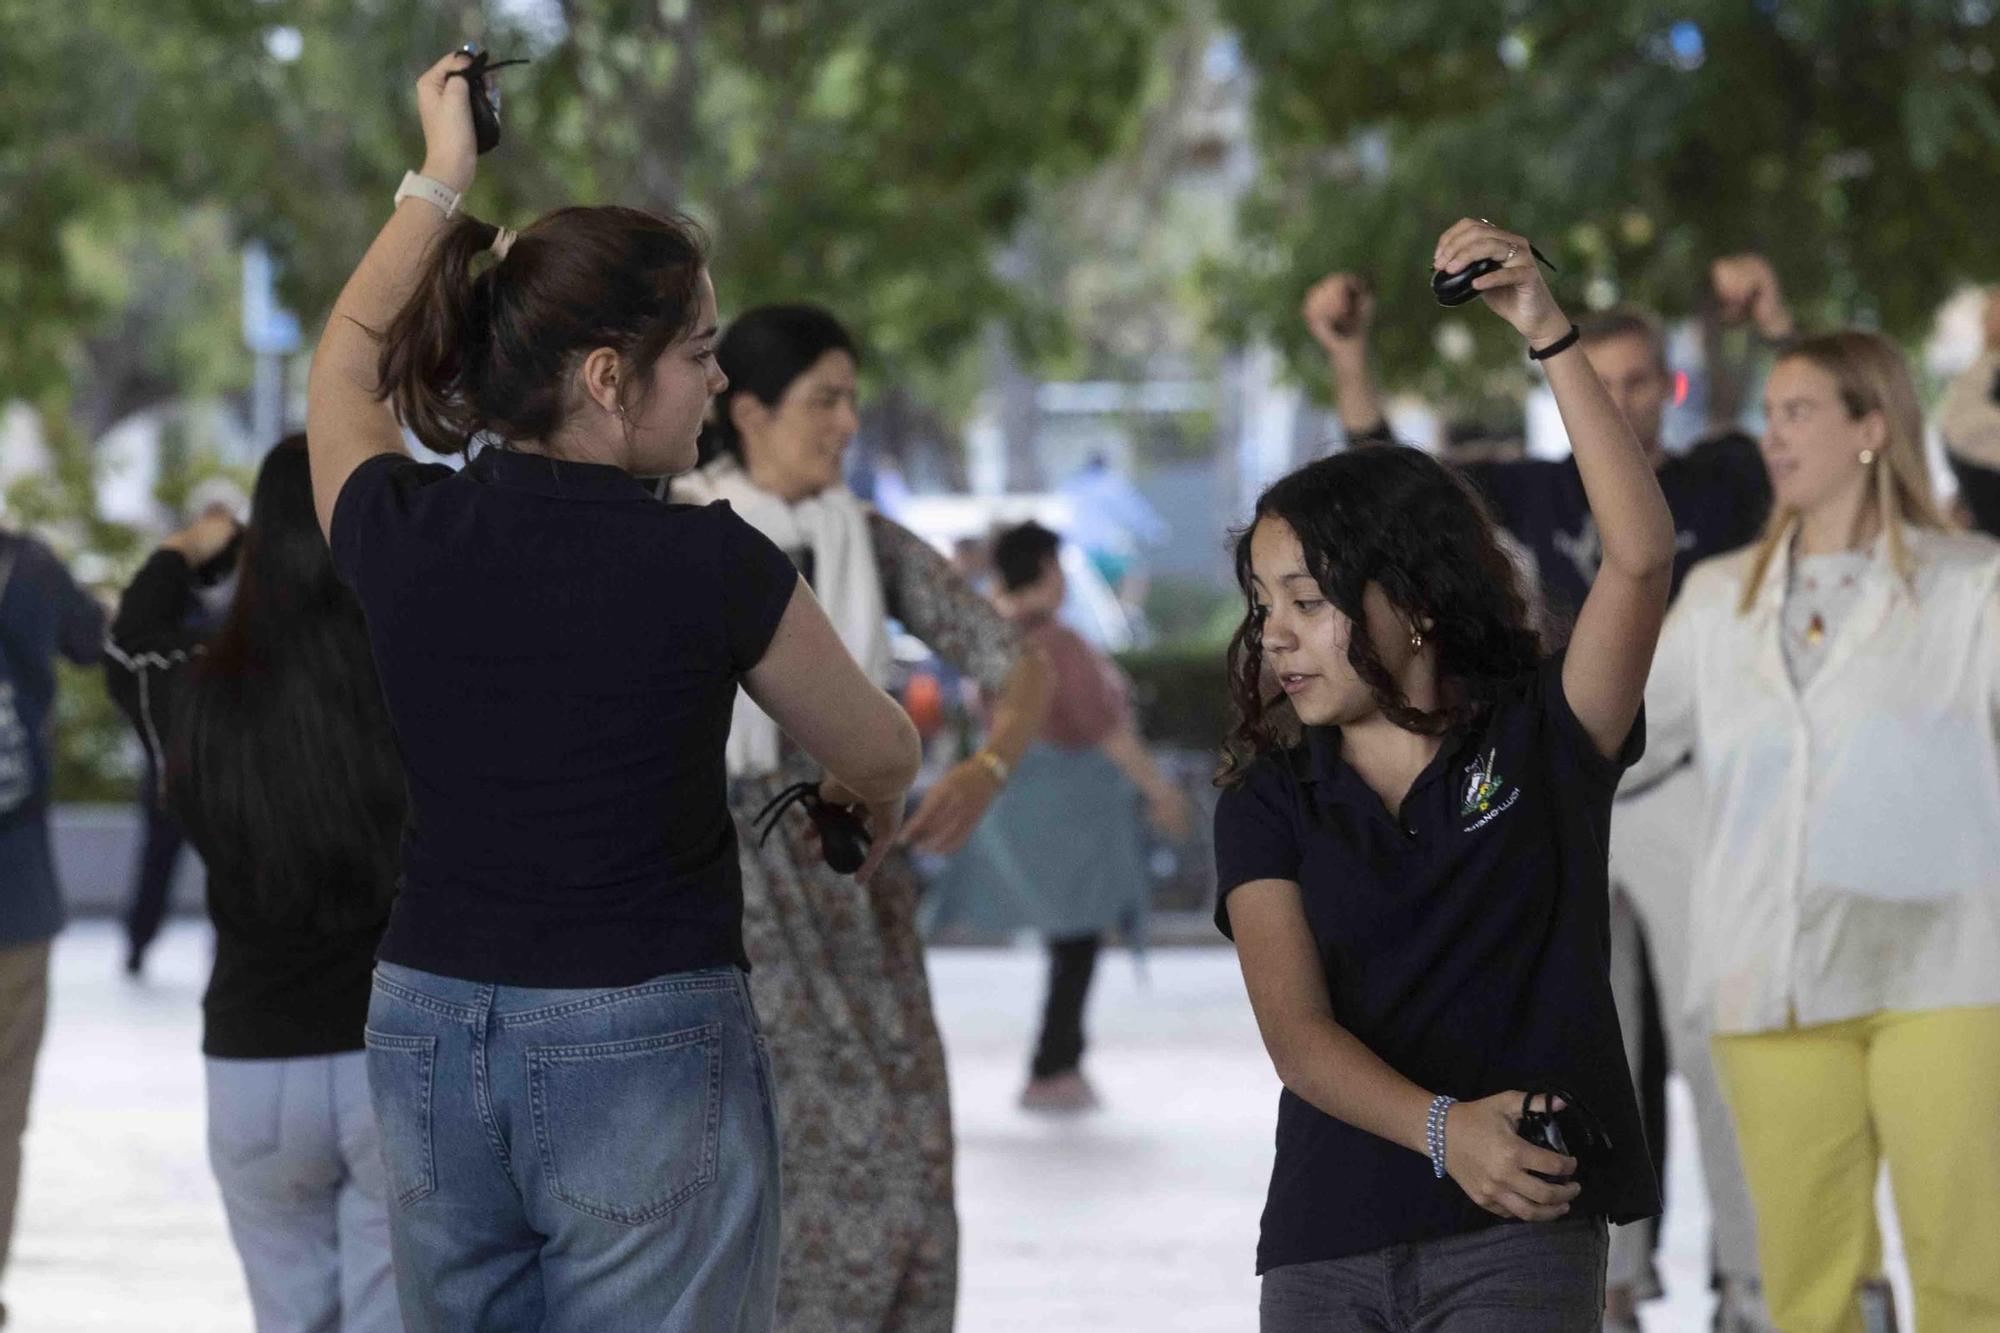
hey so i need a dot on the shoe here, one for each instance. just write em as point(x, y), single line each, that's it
point(1878, 1306)
point(1059, 1094)
point(135, 963)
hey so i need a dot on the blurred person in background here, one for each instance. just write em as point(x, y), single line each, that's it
point(837, 968)
point(1114, 524)
point(1969, 420)
point(280, 763)
point(44, 614)
point(1838, 684)
point(573, 1095)
point(1062, 850)
point(1719, 495)
point(1411, 857)
point(162, 839)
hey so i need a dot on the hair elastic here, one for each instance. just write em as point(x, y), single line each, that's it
point(503, 241)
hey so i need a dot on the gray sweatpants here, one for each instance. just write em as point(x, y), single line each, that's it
point(294, 1149)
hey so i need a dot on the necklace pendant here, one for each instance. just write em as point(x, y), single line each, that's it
point(1815, 630)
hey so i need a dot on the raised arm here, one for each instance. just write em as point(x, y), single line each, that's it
point(1611, 648)
point(1339, 310)
point(347, 419)
point(1332, 1069)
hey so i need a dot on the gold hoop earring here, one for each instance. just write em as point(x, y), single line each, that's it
point(1867, 457)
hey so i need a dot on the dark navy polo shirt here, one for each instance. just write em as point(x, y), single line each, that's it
point(560, 653)
point(1465, 940)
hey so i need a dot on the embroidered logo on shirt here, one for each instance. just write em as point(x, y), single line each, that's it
point(1483, 801)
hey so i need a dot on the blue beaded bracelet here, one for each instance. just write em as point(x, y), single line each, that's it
point(1434, 1132)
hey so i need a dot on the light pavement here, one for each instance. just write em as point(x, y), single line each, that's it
point(1142, 1216)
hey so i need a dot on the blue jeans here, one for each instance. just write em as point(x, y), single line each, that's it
point(602, 1160)
point(296, 1155)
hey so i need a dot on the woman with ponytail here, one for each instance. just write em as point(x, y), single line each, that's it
point(574, 1102)
point(1838, 685)
point(871, 1235)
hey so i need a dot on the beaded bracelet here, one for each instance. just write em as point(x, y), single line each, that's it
point(1434, 1132)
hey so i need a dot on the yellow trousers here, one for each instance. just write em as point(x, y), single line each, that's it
point(1817, 1109)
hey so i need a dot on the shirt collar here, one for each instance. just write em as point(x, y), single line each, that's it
point(1778, 576)
point(561, 478)
point(1334, 781)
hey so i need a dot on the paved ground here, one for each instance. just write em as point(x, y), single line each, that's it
point(1142, 1217)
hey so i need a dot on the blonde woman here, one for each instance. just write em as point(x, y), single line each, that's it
point(1838, 685)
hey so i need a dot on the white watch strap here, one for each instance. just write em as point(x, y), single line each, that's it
point(430, 191)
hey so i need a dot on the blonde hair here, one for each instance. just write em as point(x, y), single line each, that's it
point(1871, 376)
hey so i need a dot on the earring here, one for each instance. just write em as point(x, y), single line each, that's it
point(1867, 457)
point(1416, 640)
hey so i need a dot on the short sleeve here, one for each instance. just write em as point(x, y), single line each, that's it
point(1256, 834)
point(371, 512)
point(758, 580)
point(1570, 739)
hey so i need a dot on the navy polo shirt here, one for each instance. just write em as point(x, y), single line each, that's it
point(560, 653)
point(1465, 940)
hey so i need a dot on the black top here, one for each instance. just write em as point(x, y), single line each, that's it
point(1979, 489)
point(1465, 942)
point(560, 654)
point(278, 989)
point(1718, 492)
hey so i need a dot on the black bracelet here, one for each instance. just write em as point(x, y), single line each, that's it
point(1562, 344)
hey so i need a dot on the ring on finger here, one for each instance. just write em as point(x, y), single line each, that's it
point(1512, 250)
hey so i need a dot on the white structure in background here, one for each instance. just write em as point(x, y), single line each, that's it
point(271, 332)
point(22, 452)
point(1267, 408)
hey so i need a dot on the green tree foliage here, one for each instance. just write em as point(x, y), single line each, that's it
point(1852, 141)
point(866, 153)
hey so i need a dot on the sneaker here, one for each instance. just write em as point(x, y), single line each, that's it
point(1878, 1306)
point(1621, 1310)
point(1059, 1094)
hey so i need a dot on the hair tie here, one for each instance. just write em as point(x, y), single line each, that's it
point(503, 241)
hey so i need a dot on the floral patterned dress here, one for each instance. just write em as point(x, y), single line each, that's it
point(870, 1236)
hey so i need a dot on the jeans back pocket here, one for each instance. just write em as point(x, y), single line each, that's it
point(400, 1075)
point(628, 1130)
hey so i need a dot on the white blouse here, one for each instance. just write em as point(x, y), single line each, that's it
point(1848, 851)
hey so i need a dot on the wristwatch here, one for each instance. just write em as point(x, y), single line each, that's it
point(430, 191)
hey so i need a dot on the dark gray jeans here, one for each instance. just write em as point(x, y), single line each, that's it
point(1520, 1277)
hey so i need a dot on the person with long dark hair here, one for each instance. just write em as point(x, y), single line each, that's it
point(1411, 860)
point(278, 760)
point(871, 1230)
point(1719, 496)
point(574, 1099)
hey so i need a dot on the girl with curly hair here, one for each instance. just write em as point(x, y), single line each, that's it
point(1411, 858)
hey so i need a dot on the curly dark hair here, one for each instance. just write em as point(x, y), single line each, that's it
point(1395, 517)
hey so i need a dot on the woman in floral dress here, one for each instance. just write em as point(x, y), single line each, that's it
point(837, 970)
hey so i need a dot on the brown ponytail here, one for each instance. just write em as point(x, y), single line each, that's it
point(491, 353)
